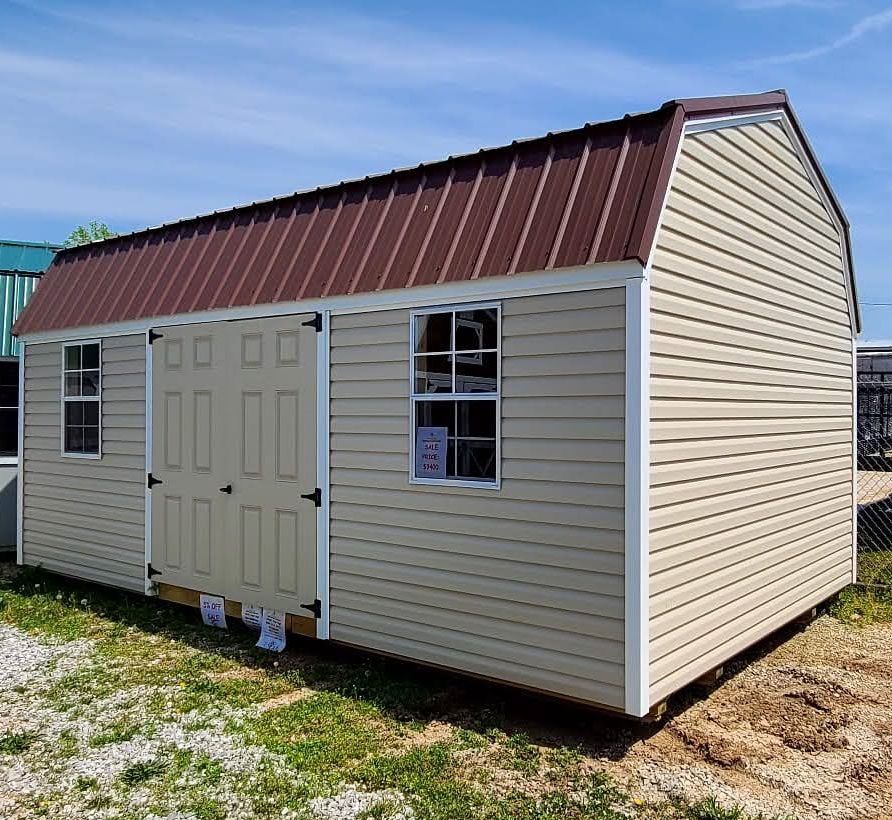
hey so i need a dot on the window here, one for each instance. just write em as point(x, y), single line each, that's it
point(9, 408)
point(81, 399)
point(455, 395)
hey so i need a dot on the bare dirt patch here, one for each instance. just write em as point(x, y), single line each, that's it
point(805, 730)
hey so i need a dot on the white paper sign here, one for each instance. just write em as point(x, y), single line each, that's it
point(430, 452)
point(272, 630)
point(252, 615)
point(213, 610)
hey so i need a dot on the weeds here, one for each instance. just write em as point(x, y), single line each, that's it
point(139, 773)
point(17, 743)
point(863, 606)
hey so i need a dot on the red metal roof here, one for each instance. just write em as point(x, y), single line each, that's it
point(578, 197)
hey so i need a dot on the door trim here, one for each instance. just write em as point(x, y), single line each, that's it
point(323, 475)
point(149, 585)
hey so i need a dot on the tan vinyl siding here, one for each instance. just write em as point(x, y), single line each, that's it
point(751, 404)
point(86, 517)
point(524, 583)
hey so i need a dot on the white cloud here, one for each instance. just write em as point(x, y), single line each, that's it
point(866, 25)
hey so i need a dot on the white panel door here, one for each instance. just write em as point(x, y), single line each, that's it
point(272, 392)
point(234, 445)
point(188, 415)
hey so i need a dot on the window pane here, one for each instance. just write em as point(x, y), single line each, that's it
point(74, 439)
point(9, 395)
point(433, 374)
point(91, 439)
point(476, 372)
point(91, 412)
point(476, 459)
point(476, 329)
point(90, 383)
point(73, 357)
point(433, 333)
point(90, 357)
point(476, 419)
point(72, 384)
point(74, 413)
point(436, 414)
point(9, 432)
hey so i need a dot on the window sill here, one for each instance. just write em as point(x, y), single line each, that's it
point(92, 456)
point(456, 482)
point(9, 461)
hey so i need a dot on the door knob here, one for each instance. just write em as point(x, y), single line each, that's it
point(227, 489)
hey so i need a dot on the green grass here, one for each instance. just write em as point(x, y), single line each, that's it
point(323, 731)
point(354, 720)
point(119, 731)
point(711, 809)
point(17, 743)
point(863, 605)
point(875, 567)
point(137, 774)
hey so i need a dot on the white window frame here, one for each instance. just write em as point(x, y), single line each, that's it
point(65, 399)
point(415, 397)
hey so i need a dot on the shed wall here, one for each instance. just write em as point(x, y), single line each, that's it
point(751, 403)
point(85, 517)
point(525, 583)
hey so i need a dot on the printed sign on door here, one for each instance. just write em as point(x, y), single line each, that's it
point(430, 452)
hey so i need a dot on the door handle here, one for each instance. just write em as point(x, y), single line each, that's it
point(227, 489)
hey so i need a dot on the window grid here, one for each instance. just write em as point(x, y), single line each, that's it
point(73, 397)
point(456, 397)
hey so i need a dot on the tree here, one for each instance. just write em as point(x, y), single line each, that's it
point(94, 232)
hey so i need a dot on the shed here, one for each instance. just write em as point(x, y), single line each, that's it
point(574, 413)
point(21, 266)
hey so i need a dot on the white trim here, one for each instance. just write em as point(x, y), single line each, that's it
point(696, 126)
point(817, 180)
point(323, 473)
point(637, 499)
point(97, 399)
point(149, 585)
point(10, 461)
point(538, 283)
point(854, 461)
point(20, 477)
point(414, 397)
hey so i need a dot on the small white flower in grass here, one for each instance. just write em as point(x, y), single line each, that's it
point(83, 602)
point(59, 597)
point(275, 664)
point(36, 586)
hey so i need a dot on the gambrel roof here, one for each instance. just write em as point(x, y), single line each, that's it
point(593, 194)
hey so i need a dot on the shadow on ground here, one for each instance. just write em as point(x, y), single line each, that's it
point(404, 691)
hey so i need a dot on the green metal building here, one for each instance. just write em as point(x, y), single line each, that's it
point(21, 266)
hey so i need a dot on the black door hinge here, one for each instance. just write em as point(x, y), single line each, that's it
point(151, 481)
point(315, 322)
point(315, 608)
point(315, 497)
point(154, 334)
point(151, 572)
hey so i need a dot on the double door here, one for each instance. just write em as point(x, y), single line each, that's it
point(234, 460)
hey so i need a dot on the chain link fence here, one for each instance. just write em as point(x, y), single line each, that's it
point(875, 477)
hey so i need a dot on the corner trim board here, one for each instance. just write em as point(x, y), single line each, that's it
point(637, 500)
point(854, 460)
point(20, 472)
point(323, 474)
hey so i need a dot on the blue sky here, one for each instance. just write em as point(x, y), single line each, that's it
point(140, 113)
